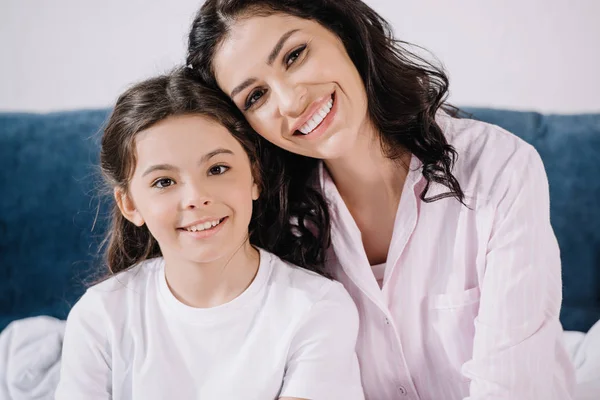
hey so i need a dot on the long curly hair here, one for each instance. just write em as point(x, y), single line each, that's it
point(404, 91)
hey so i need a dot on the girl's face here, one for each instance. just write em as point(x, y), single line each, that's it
point(193, 188)
point(295, 83)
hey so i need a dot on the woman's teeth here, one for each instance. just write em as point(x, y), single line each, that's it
point(317, 118)
point(204, 226)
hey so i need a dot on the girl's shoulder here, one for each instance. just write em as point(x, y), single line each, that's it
point(121, 289)
point(290, 283)
point(132, 278)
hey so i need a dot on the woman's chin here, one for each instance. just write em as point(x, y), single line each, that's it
point(335, 146)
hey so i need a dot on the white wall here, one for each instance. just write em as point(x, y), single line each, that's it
point(528, 54)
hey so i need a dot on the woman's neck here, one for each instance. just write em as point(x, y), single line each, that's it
point(204, 285)
point(371, 186)
point(365, 172)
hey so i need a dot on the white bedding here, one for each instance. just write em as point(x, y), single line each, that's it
point(585, 353)
point(30, 359)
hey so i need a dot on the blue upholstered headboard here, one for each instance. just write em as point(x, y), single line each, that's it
point(51, 223)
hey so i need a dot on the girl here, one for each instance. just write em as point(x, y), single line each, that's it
point(439, 227)
point(193, 309)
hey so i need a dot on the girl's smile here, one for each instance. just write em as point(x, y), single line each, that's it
point(204, 228)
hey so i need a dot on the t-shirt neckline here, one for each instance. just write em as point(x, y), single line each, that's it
point(219, 313)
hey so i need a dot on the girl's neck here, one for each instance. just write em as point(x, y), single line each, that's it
point(205, 285)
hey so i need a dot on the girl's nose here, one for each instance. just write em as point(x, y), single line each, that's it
point(196, 196)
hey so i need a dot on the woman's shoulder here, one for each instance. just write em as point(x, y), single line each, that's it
point(487, 154)
point(472, 137)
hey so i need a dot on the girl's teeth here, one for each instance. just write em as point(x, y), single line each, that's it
point(203, 227)
point(317, 118)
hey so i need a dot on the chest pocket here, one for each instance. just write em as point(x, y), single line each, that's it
point(451, 301)
point(452, 326)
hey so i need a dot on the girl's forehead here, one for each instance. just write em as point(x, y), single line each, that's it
point(184, 135)
point(197, 126)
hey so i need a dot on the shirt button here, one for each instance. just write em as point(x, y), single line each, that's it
point(387, 321)
point(402, 390)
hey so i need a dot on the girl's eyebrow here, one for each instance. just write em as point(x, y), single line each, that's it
point(159, 167)
point(213, 153)
point(203, 159)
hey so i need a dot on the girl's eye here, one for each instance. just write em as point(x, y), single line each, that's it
point(253, 97)
point(218, 170)
point(163, 183)
point(294, 55)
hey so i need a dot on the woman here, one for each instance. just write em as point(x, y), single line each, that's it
point(439, 226)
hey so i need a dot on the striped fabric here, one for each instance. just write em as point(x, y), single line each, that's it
point(471, 295)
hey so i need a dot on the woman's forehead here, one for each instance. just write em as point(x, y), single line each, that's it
point(251, 41)
point(261, 31)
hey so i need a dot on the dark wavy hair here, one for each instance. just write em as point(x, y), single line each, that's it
point(182, 93)
point(404, 91)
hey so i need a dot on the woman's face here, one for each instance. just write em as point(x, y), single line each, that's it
point(295, 83)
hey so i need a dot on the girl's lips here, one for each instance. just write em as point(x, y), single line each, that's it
point(205, 233)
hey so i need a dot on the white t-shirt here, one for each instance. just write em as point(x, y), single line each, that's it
point(291, 333)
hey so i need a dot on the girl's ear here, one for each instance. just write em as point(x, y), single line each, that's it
point(127, 207)
point(256, 180)
point(255, 191)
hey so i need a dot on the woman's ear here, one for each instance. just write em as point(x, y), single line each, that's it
point(127, 207)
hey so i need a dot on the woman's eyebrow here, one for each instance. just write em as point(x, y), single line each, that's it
point(242, 86)
point(277, 49)
point(270, 59)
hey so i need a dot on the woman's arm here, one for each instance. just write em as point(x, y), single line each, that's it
point(85, 365)
point(517, 330)
point(322, 363)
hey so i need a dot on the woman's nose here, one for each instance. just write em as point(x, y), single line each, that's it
point(291, 98)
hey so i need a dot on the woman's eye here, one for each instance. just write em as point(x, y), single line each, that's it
point(253, 98)
point(294, 55)
point(163, 183)
point(218, 170)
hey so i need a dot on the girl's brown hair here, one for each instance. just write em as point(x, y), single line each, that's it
point(182, 93)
